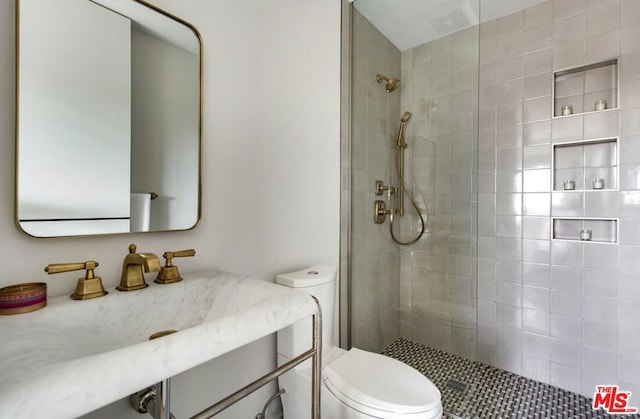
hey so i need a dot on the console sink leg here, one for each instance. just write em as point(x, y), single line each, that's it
point(154, 400)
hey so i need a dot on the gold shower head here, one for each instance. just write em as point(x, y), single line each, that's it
point(391, 84)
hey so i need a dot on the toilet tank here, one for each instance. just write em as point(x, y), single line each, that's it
point(318, 281)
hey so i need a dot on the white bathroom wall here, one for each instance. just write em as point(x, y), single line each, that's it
point(270, 167)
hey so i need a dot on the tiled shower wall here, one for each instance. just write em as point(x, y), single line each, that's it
point(559, 311)
point(437, 273)
point(375, 261)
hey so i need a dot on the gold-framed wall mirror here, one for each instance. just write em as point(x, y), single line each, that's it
point(108, 116)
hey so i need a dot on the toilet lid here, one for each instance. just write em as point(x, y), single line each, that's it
point(379, 382)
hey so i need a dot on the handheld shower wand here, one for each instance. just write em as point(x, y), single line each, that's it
point(403, 120)
point(400, 146)
point(398, 207)
point(398, 193)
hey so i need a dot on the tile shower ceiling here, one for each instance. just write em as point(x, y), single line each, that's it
point(409, 23)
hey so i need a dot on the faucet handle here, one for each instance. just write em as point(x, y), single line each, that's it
point(90, 265)
point(169, 273)
point(178, 254)
point(88, 287)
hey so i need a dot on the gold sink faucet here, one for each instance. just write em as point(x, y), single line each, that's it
point(132, 276)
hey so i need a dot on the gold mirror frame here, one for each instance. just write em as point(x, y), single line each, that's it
point(200, 49)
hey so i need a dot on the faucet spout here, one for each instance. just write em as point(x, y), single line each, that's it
point(149, 261)
point(132, 276)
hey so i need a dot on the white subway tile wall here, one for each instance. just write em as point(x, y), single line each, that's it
point(576, 314)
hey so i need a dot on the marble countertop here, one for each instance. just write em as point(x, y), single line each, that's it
point(73, 357)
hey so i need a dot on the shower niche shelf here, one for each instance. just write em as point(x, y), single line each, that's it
point(595, 230)
point(590, 88)
point(590, 165)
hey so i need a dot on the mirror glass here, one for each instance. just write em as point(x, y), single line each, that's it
point(108, 118)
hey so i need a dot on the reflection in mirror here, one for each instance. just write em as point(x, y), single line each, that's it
point(109, 116)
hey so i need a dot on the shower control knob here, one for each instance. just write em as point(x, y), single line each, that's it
point(379, 188)
point(380, 212)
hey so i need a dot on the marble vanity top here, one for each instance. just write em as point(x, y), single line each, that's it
point(72, 357)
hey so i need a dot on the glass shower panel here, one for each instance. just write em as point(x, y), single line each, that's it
point(375, 261)
point(424, 292)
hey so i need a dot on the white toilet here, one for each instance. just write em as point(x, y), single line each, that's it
point(356, 384)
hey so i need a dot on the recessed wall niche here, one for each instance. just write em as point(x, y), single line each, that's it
point(586, 165)
point(599, 230)
point(588, 88)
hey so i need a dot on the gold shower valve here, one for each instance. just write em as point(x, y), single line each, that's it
point(380, 212)
point(169, 273)
point(88, 287)
point(380, 187)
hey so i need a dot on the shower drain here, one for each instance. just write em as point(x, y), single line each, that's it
point(456, 385)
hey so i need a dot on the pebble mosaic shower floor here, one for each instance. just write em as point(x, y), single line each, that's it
point(473, 390)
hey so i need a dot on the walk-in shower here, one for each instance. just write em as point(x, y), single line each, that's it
point(514, 126)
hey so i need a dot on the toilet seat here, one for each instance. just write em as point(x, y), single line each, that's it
point(380, 386)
